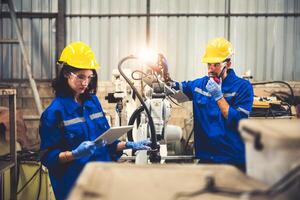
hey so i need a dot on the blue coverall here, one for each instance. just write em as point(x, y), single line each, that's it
point(63, 126)
point(216, 138)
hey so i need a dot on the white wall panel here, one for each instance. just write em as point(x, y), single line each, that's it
point(183, 40)
point(111, 39)
point(268, 46)
point(264, 45)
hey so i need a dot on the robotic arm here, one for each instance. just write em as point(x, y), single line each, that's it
point(155, 107)
point(163, 80)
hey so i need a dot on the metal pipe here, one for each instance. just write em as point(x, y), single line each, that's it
point(228, 25)
point(148, 24)
point(54, 15)
point(188, 15)
point(10, 41)
point(30, 15)
point(13, 152)
point(60, 30)
point(25, 58)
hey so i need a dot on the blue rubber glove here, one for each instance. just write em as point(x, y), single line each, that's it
point(140, 145)
point(214, 89)
point(86, 148)
point(100, 143)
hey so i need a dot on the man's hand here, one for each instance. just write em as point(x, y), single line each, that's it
point(214, 89)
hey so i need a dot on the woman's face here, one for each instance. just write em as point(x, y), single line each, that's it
point(80, 80)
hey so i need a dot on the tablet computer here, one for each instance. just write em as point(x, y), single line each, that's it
point(113, 134)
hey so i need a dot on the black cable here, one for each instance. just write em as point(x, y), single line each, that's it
point(138, 71)
point(154, 154)
point(132, 119)
point(23, 155)
point(18, 172)
point(40, 182)
point(188, 140)
point(35, 173)
point(135, 116)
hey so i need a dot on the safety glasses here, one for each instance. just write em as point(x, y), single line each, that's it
point(82, 78)
point(213, 64)
point(222, 64)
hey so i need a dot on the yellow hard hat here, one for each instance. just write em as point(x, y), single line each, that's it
point(217, 50)
point(79, 55)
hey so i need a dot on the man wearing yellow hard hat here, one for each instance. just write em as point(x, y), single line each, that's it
point(220, 100)
point(74, 119)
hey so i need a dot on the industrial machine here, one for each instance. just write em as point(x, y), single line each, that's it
point(276, 104)
point(149, 83)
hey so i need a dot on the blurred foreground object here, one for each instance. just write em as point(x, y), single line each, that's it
point(272, 147)
point(135, 182)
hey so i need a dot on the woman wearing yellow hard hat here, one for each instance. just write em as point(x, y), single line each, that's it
point(74, 119)
point(220, 100)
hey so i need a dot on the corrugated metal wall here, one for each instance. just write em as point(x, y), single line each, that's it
point(39, 38)
point(110, 38)
point(268, 46)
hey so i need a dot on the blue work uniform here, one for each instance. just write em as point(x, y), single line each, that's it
point(216, 138)
point(64, 125)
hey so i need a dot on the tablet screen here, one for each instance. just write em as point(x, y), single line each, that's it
point(113, 134)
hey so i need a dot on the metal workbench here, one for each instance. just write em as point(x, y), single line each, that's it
point(12, 163)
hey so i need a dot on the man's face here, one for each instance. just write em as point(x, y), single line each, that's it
point(214, 69)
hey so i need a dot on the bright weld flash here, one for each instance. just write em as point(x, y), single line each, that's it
point(148, 56)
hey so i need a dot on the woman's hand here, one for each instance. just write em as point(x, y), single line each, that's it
point(87, 148)
point(140, 145)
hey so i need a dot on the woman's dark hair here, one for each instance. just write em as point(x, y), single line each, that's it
point(61, 87)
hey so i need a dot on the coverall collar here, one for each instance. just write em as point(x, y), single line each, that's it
point(71, 105)
point(230, 76)
point(89, 103)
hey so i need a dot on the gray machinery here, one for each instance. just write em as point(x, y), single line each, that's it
point(150, 84)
